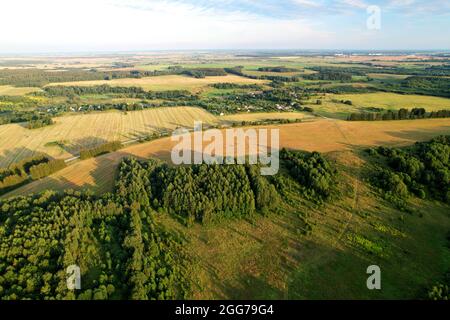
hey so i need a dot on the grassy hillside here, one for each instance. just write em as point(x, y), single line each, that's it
point(395, 101)
point(333, 104)
point(269, 258)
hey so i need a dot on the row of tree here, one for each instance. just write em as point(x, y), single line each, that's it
point(326, 75)
point(228, 86)
point(28, 169)
point(280, 69)
point(401, 114)
point(45, 169)
point(99, 150)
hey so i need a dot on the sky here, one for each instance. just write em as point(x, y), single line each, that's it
point(31, 26)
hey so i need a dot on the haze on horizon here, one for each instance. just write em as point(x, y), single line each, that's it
point(30, 26)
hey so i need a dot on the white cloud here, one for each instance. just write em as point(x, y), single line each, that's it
point(355, 3)
point(109, 25)
point(49, 25)
point(308, 3)
point(401, 3)
point(441, 7)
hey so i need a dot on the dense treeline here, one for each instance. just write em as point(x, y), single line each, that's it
point(209, 193)
point(99, 150)
point(57, 91)
point(114, 241)
point(329, 75)
point(226, 86)
point(312, 171)
point(44, 169)
point(401, 114)
point(204, 72)
point(277, 69)
point(365, 70)
point(345, 89)
point(40, 78)
point(422, 170)
point(202, 193)
point(39, 122)
point(435, 86)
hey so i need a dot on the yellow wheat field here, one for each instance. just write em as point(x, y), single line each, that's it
point(69, 134)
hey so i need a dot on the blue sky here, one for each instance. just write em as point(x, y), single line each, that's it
point(127, 25)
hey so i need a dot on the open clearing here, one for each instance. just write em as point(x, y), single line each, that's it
point(164, 83)
point(13, 91)
point(69, 134)
point(322, 135)
point(394, 101)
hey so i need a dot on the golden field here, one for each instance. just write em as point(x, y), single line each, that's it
point(323, 135)
point(80, 131)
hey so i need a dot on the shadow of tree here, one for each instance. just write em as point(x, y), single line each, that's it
point(73, 147)
point(11, 156)
point(419, 134)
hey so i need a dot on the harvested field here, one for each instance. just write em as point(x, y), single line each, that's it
point(321, 135)
point(69, 134)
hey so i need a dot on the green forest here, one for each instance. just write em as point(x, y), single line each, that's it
point(121, 251)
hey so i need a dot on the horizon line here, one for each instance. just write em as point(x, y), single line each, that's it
point(256, 50)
